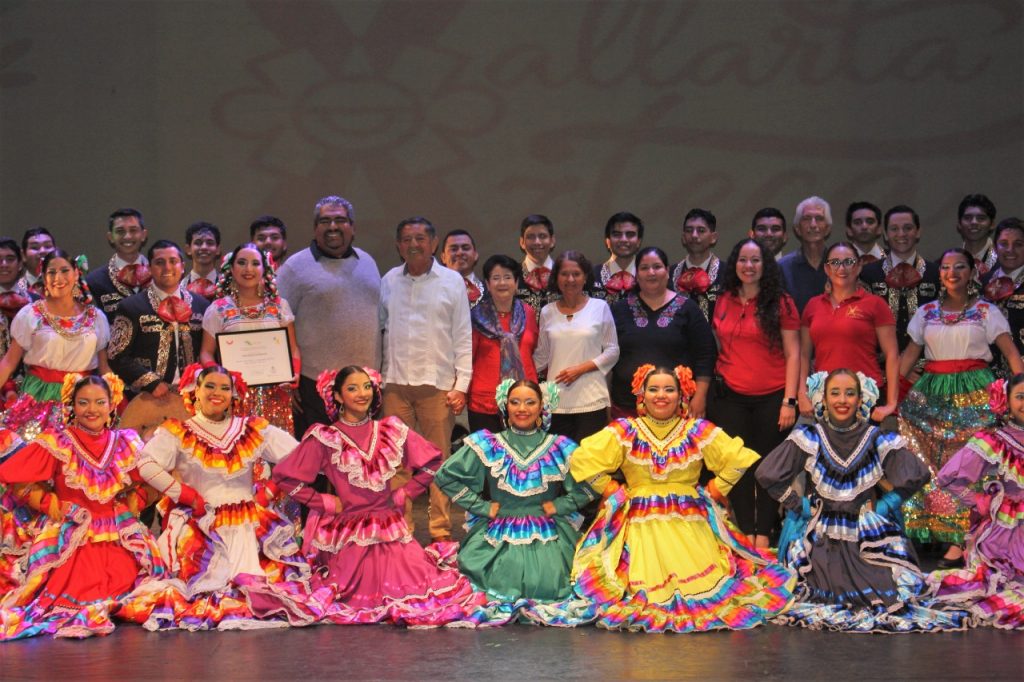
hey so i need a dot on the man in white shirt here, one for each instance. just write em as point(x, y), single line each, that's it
point(864, 230)
point(428, 348)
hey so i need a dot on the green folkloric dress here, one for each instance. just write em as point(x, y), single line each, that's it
point(521, 553)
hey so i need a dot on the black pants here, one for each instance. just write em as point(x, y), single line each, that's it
point(755, 419)
point(580, 425)
point(313, 409)
point(482, 420)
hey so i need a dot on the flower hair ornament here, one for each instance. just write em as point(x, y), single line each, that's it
point(190, 381)
point(816, 393)
point(325, 389)
point(683, 374)
point(997, 400)
point(549, 398)
point(226, 282)
point(67, 392)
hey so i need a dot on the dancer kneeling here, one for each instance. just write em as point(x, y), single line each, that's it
point(523, 509)
point(92, 550)
point(992, 584)
point(358, 540)
point(236, 559)
point(858, 572)
point(661, 554)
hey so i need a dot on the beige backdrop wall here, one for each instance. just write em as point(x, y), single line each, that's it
point(477, 113)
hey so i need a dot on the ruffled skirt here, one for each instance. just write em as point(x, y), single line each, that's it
point(992, 584)
point(378, 573)
point(871, 584)
point(937, 417)
point(238, 568)
point(76, 574)
point(668, 560)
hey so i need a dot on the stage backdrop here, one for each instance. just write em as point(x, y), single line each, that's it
point(477, 113)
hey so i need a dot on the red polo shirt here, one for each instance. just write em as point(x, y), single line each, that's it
point(745, 360)
point(846, 336)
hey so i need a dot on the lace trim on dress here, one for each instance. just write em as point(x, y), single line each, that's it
point(373, 468)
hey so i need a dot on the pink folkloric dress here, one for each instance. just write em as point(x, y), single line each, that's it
point(987, 475)
point(365, 551)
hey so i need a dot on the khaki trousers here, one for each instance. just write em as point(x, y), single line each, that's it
point(425, 410)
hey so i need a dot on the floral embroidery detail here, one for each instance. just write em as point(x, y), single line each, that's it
point(229, 312)
point(665, 315)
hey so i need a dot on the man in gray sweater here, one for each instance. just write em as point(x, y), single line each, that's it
point(334, 290)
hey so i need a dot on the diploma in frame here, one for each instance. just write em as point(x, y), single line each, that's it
point(262, 356)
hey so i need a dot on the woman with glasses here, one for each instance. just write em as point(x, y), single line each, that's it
point(504, 336)
point(848, 327)
point(949, 403)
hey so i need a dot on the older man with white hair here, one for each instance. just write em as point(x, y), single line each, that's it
point(802, 270)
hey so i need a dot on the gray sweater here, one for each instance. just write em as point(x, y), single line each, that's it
point(335, 301)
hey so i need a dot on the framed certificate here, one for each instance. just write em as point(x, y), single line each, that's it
point(262, 356)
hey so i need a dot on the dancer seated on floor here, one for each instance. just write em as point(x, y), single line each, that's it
point(522, 507)
point(357, 539)
point(92, 550)
point(661, 555)
point(987, 474)
point(858, 571)
point(234, 557)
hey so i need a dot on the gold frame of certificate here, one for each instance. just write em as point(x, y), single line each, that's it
point(262, 356)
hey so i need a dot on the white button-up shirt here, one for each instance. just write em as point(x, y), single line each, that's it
point(428, 340)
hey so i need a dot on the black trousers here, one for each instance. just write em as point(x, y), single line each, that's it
point(580, 425)
point(755, 419)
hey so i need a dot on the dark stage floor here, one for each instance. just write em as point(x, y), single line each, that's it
point(515, 652)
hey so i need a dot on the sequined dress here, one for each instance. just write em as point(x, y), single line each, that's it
point(365, 551)
point(987, 474)
point(273, 403)
point(237, 566)
point(661, 555)
point(857, 571)
point(946, 406)
point(77, 570)
point(522, 556)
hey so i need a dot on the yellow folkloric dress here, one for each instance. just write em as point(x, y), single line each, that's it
point(661, 554)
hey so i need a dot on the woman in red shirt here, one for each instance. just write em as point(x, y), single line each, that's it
point(758, 331)
point(504, 338)
point(848, 327)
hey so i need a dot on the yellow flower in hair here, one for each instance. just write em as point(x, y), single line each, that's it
point(67, 389)
point(116, 385)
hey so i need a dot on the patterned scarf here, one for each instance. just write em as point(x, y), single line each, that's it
point(485, 320)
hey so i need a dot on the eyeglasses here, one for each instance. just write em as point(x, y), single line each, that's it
point(326, 221)
point(842, 262)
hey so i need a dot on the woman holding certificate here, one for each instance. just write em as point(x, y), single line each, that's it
point(249, 301)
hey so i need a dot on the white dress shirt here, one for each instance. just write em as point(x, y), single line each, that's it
point(428, 340)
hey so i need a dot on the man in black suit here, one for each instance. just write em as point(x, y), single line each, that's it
point(126, 272)
point(157, 332)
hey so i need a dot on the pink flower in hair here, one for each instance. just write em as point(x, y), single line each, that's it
point(997, 397)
